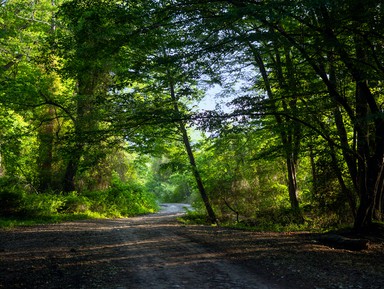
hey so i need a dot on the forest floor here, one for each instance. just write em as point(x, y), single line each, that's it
point(158, 252)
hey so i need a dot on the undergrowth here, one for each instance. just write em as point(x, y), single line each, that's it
point(273, 220)
point(19, 208)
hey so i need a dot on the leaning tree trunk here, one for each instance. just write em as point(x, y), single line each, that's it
point(188, 148)
point(196, 174)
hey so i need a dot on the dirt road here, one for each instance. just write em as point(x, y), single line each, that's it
point(137, 253)
point(157, 252)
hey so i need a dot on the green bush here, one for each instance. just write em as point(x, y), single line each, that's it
point(74, 203)
point(130, 198)
point(195, 217)
point(43, 205)
point(11, 203)
point(22, 205)
point(12, 197)
point(120, 200)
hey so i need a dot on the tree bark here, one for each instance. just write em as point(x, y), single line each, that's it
point(292, 183)
point(82, 125)
point(196, 173)
point(370, 145)
point(70, 172)
point(46, 138)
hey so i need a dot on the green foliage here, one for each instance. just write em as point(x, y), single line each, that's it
point(277, 219)
point(17, 146)
point(74, 203)
point(196, 216)
point(120, 200)
point(19, 204)
point(126, 199)
point(241, 178)
point(170, 179)
point(11, 203)
point(274, 219)
point(177, 188)
point(81, 81)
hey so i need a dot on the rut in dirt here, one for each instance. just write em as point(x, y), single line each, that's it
point(147, 252)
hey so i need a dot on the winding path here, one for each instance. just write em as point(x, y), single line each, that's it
point(147, 252)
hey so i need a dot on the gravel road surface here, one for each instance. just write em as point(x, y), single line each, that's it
point(146, 252)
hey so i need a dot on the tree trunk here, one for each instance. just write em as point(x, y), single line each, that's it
point(371, 158)
point(345, 147)
point(313, 169)
point(367, 119)
point(290, 138)
point(188, 148)
point(45, 151)
point(345, 191)
point(70, 174)
point(196, 173)
point(292, 183)
point(82, 125)
point(46, 133)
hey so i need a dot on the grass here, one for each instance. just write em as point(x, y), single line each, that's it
point(12, 222)
point(18, 208)
point(272, 220)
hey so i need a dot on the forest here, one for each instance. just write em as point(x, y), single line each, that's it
point(261, 113)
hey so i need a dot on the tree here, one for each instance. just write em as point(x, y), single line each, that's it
point(89, 45)
point(281, 85)
point(318, 31)
point(163, 74)
point(24, 79)
point(333, 42)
